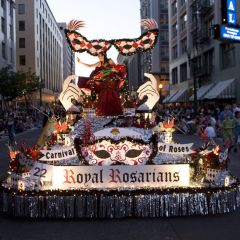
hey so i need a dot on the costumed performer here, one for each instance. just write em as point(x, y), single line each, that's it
point(106, 80)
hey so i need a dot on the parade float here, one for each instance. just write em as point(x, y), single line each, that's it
point(111, 159)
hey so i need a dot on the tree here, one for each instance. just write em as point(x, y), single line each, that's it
point(17, 84)
point(29, 83)
point(8, 84)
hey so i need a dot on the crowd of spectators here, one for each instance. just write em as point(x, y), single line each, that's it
point(207, 121)
point(19, 118)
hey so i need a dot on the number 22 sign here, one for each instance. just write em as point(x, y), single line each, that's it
point(41, 172)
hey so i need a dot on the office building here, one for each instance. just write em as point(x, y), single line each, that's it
point(7, 34)
point(68, 54)
point(202, 68)
point(39, 45)
point(157, 60)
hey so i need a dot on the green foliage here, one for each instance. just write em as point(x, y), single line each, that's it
point(17, 84)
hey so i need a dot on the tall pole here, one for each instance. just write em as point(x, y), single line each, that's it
point(40, 92)
point(195, 91)
point(192, 67)
point(193, 62)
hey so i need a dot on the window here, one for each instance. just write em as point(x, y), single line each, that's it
point(3, 24)
point(164, 67)
point(183, 21)
point(11, 55)
point(21, 25)
point(11, 9)
point(174, 8)
point(163, 4)
point(183, 72)
point(227, 55)
point(210, 2)
point(174, 30)
point(196, 64)
point(22, 43)
point(3, 3)
point(174, 52)
point(183, 46)
point(4, 50)
point(208, 61)
point(163, 35)
point(182, 2)
point(22, 60)
point(175, 76)
point(11, 31)
point(21, 9)
point(209, 26)
point(164, 51)
point(163, 18)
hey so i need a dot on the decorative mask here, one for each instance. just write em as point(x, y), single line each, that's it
point(107, 152)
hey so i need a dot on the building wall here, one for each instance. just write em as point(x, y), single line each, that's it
point(157, 60)
point(43, 49)
point(7, 34)
point(68, 54)
point(133, 69)
point(201, 18)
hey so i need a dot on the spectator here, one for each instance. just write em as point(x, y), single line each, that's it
point(227, 111)
point(236, 108)
point(11, 129)
point(237, 131)
point(227, 128)
point(210, 131)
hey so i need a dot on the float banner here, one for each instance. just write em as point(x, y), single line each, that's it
point(115, 177)
point(175, 148)
point(58, 154)
point(42, 172)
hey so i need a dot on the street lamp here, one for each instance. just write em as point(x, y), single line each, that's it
point(40, 92)
point(192, 67)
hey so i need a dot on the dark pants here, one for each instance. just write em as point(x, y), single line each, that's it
point(11, 134)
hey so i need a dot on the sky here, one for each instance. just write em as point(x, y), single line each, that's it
point(104, 19)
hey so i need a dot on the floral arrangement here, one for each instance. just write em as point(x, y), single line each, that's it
point(61, 127)
point(22, 159)
point(208, 156)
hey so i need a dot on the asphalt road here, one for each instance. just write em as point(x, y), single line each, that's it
point(220, 227)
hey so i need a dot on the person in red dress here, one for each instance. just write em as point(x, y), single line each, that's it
point(106, 79)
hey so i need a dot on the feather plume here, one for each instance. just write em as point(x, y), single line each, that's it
point(169, 124)
point(149, 24)
point(74, 25)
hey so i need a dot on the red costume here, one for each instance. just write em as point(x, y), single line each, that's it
point(106, 81)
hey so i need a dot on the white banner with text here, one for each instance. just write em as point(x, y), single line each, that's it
point(175, 148)
point(115, 177)
point(58, 154)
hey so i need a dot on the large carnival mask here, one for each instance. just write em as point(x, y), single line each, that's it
point(108, 150)
point(126, 152)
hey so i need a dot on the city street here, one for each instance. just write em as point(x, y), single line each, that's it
point(219, 227)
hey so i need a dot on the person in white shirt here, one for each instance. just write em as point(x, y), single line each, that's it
point(236, 108)
point(210, 131)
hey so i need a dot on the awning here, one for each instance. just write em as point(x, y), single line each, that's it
point(171, 95)
point(222, 90)
point(181, 96)
point(202, 91)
